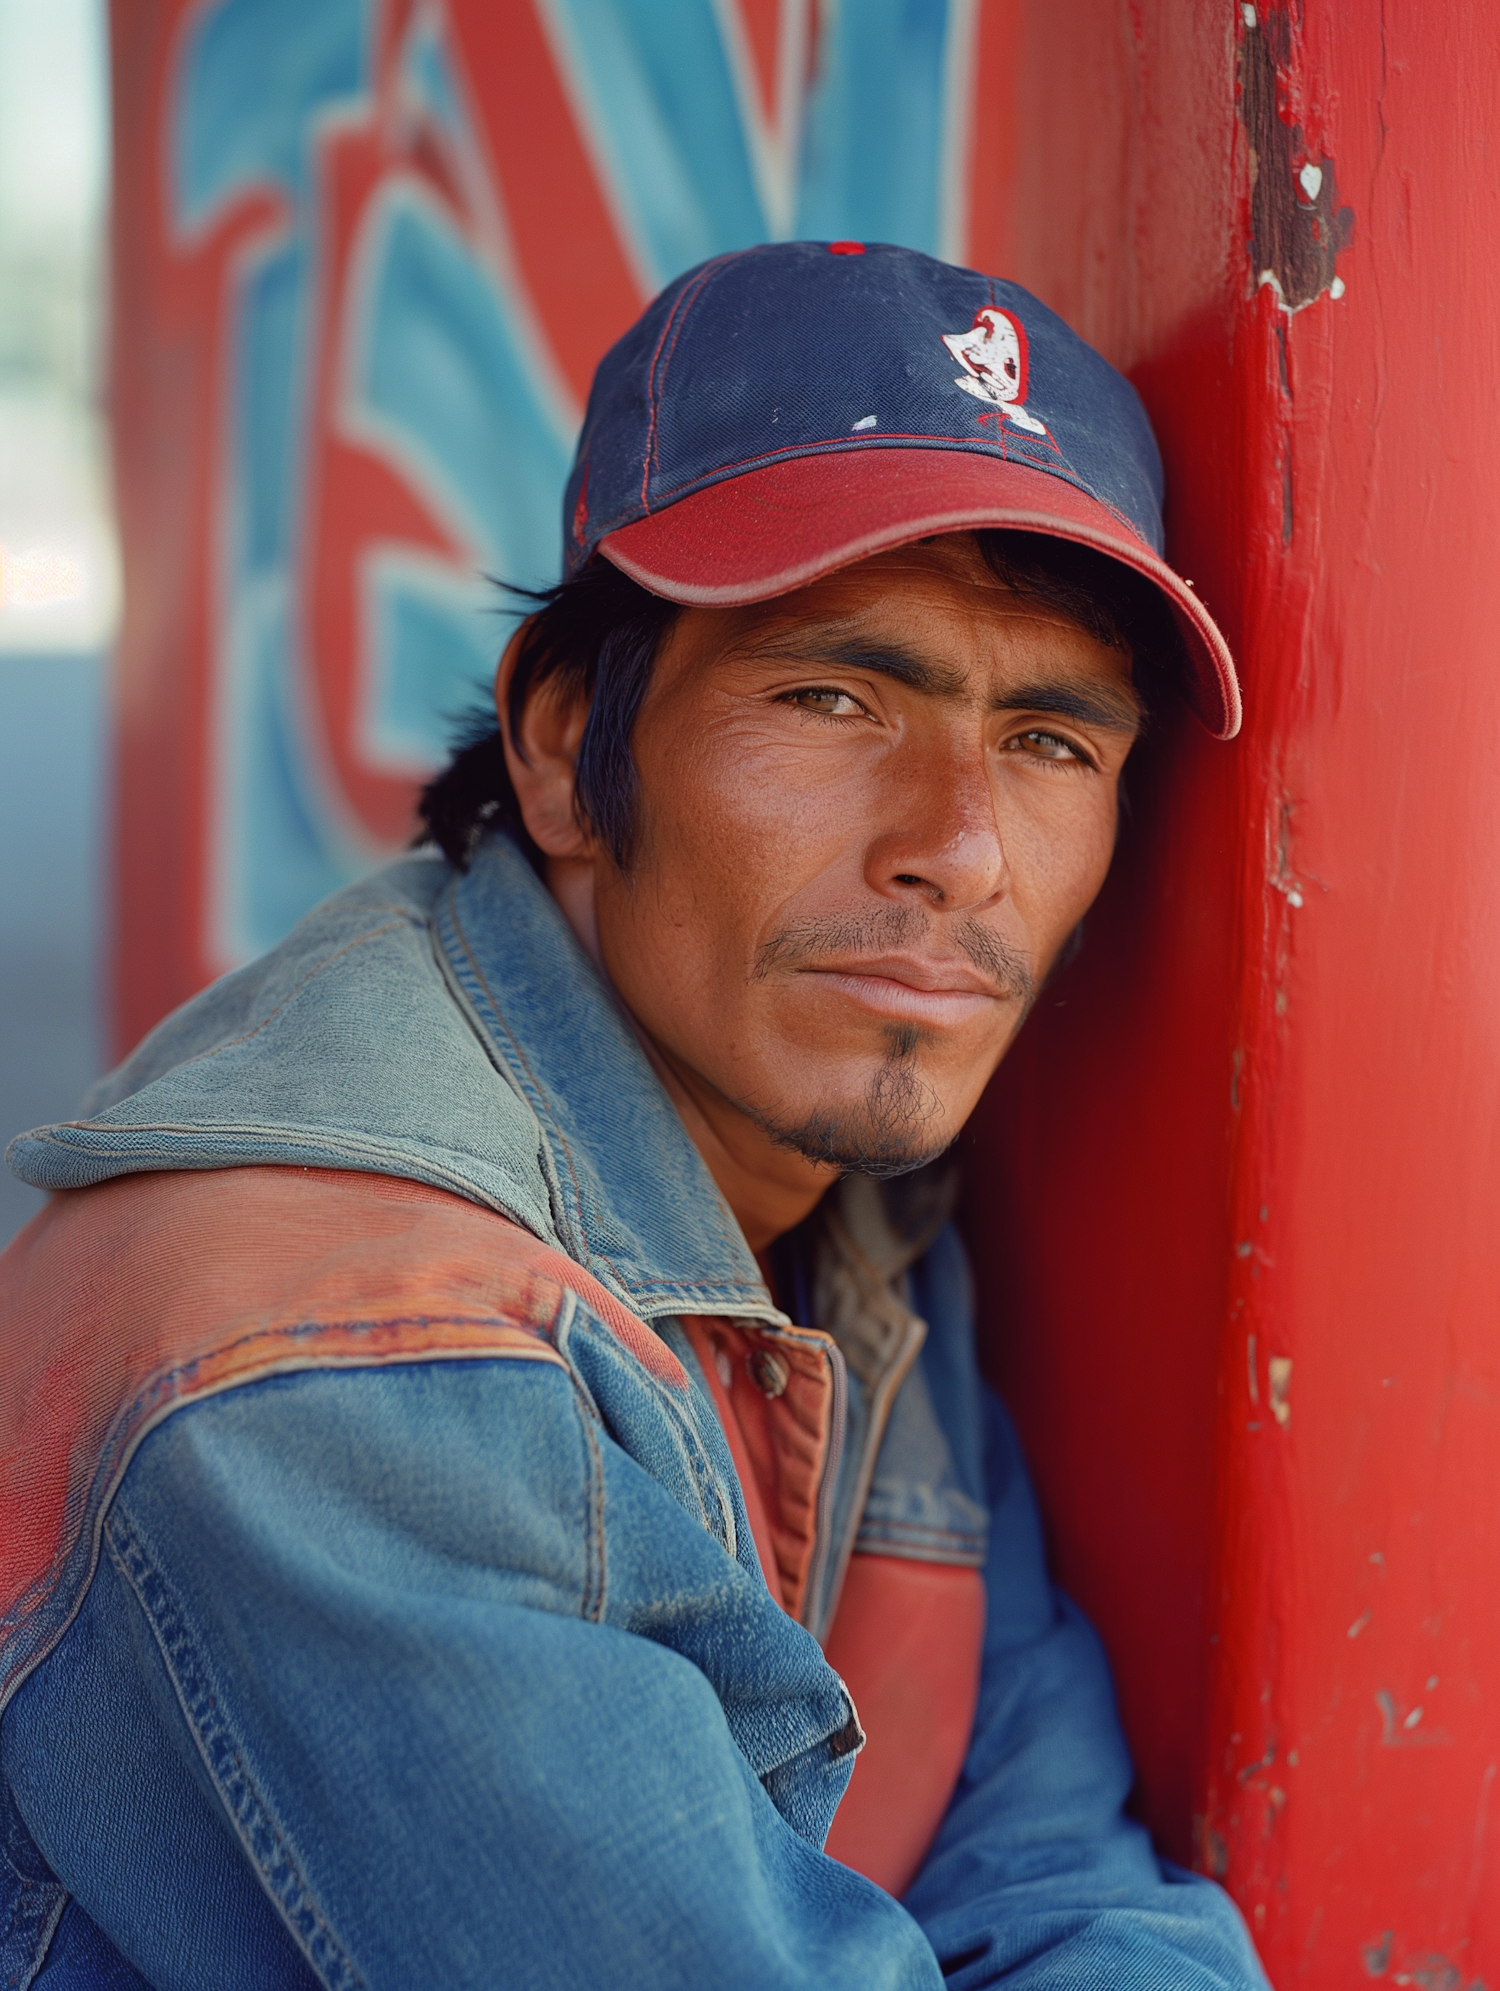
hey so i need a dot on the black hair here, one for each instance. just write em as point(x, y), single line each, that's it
point(596, 637)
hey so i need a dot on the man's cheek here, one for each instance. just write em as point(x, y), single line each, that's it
point(767, 789)
point(747, 848)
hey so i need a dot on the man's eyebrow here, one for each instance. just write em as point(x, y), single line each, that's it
point(1117, 708)
point(890, 660)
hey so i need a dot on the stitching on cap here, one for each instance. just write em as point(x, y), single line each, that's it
point(675, 318)
point(841, 446)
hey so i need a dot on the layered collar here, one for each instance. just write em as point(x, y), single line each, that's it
point(447, 1027)
point(631, 1197)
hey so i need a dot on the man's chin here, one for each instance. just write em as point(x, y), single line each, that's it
point(897, 1124)
point(845, 1148)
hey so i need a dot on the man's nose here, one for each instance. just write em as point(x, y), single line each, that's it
point(941, 841)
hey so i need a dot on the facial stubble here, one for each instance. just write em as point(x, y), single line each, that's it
point(900, 1124)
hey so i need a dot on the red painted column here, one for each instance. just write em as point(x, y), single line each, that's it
point(1243, 1209)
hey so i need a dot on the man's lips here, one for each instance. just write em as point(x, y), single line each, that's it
point(912, 989)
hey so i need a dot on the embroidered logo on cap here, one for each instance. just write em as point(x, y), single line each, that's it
point(993, 355)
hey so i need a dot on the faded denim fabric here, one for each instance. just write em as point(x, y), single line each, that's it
point(464, 1673)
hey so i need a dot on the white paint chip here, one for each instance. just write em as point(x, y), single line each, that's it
point(1247, 13)
point(1359, 1624)
point(1312, 180)
point(864, 422)
point(1279, 1388)
point(1336, 288)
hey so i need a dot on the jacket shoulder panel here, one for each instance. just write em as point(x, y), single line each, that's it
point(341, 1049)
point(123, 1303)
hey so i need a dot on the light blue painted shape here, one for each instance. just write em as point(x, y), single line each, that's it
point(656, 78)
point(269, 334)
point(54, 733)
point(440, 377)
point(284, 853)
point(872, 146)
point(253, 76)
point(432, 663)
point(430, 82)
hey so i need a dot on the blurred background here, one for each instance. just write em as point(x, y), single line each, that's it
point(59, 580)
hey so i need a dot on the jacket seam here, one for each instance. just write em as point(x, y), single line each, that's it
point(626, 1285)
point(676, 319)
point(882, 1402)
point(45, 1934)
point(37, 1906)
point(705, 1477)
point(266, 1844)
point(97, 1506)
point(920, 1545)
point(312, 1137)
point(539, 1090)
point(541, 1096)
point(595, 1595)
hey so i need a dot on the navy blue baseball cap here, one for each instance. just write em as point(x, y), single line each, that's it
point(782, 411)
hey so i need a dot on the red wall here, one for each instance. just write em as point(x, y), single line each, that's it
point(1257, 1121)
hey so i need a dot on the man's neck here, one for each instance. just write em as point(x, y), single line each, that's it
point(769, 1187)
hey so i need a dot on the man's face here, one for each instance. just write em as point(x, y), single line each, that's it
point(870, 815)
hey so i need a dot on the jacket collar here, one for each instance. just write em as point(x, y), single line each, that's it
point(444, 1028)
point(631, 1198)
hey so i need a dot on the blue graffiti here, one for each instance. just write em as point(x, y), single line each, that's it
point(441, 378)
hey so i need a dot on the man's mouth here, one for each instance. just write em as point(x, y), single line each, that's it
point(939, 994)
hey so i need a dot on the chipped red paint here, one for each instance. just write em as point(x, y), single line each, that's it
point(1242, 1179)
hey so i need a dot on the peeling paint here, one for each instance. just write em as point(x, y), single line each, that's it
point(1433, 1973)
point(1278, 1388)
point(1359, 1624)
point(1297, 227)
point(1376, 1956)
point(1398, 1731)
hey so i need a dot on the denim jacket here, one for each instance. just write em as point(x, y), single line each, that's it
point(402, 1606)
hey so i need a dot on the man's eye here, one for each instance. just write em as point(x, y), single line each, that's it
point(1043, 746)
point(826, 702)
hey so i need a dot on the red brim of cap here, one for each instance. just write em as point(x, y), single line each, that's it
point(759, 535)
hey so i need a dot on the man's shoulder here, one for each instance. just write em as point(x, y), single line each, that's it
point(375, 919)
point(344, 1047)
point(165, 1286)
point(124, 1304)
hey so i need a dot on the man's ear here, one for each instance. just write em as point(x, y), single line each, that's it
point(542, 758)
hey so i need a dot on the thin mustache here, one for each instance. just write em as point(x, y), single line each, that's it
point(890, 927)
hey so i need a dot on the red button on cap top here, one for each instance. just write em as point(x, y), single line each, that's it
point(846, 248)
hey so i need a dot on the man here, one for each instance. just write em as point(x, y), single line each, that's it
point(504, 1444)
